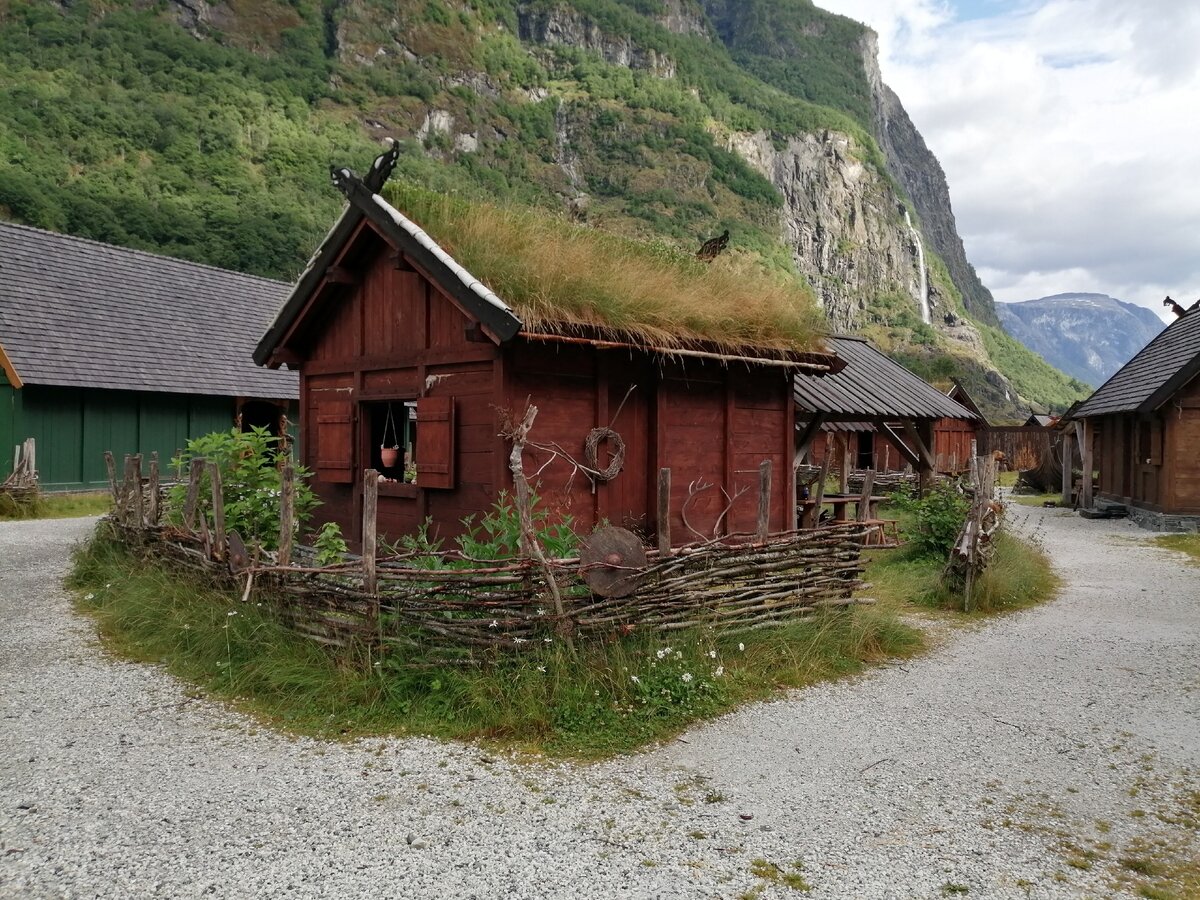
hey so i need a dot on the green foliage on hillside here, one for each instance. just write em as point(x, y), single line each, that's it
point(118, 124)
point(1035, 378)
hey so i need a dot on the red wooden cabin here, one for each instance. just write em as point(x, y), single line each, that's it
point(397, 343)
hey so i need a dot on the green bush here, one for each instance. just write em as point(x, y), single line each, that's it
point(937, 518)
point(251, 484)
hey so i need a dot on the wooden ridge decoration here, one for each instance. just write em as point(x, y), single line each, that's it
point(457, 605)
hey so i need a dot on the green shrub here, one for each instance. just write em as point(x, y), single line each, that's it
point(936, 518)
point(330, 545)
point(251, 484)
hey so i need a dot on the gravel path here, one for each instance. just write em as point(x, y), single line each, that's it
point(986, 766)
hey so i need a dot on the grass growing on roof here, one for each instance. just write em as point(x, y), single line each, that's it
point(611, 695)
point(566, 278)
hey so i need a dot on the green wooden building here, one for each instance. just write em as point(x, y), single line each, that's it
point(104, 348)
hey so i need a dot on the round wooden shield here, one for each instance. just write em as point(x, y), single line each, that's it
point(611, 560)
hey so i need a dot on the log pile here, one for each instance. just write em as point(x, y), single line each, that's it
point(447, 602)
point(22, 484)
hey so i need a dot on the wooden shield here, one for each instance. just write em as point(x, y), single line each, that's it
point(611, 561)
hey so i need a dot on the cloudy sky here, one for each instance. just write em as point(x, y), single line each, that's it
point(1069, 131)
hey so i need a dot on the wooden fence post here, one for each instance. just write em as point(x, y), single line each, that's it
point(664, 511)
point(152, 509)
point(218, 503)
point(287, 512)
point(195, 474)
point(126, 491)
point(764, 500)
point(818, 495)
point(110, 466)
point(1084, 433)
point(844, 483)
point(370, 526)
point(864, 500)
point(137, 512)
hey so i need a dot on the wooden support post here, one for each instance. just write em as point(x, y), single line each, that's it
point(805, 438)
point(664, 511)
point(844, 483)
point(152, 507)
point(1085, 453)
point(818, 495)
point(110, 466)
point(218, 510)
point(370, 529)
point(195, 474)
point(764, 499)
point(922, 437)
point(1067, 455)
point(137, 511)
point(287, 512)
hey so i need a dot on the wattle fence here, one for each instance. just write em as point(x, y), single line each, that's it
point(457, 605)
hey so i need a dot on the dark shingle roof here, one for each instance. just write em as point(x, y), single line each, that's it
point(79, 313)
point(1144, 383)
point(873, 386)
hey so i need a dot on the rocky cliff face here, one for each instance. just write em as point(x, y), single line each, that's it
point(920, 175)
point(1088, 336)
point(840, 220)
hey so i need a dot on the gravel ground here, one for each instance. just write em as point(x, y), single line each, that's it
point(985, 766)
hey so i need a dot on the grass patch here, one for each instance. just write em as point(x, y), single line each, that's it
point(608, 697)
point(1018, 577)
point(563, 277)
point(1183, 543)
point(56, 506)
point(1035, 499)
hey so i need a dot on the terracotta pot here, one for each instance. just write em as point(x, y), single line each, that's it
point(388, 456)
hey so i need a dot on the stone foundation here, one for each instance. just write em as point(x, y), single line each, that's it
point(1156, 521)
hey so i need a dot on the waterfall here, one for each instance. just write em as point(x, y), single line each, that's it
point(924, 280)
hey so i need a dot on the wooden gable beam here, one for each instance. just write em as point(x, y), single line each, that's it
point(10, 371)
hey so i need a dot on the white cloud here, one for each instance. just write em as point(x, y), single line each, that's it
point(1069, 132)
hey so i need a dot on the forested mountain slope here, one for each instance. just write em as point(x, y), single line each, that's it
point(205, 130)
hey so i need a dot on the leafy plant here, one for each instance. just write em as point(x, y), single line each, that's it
point(497, 534)
point(330, 545)
point(251, 483)
point(937, 517)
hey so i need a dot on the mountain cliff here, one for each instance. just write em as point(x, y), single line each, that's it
point(1088, 336)
point(204, 129)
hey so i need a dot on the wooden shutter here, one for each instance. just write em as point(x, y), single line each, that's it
point(335, 445)
point(435, 442)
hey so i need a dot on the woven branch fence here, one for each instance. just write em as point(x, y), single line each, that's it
point(457, 605)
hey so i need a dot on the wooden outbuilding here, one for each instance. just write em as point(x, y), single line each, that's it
point(876, 414)
point(106, 348)
point(1141, 430)
point(397, 344)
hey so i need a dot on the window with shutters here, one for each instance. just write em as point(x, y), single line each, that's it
point(391, 430)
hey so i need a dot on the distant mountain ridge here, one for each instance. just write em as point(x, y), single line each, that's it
point(1088, 336)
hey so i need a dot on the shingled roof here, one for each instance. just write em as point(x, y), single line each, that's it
point(79, 313)
point(1148, 380)
point(872, 386)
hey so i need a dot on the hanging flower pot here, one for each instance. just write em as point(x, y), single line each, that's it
point(389, 454)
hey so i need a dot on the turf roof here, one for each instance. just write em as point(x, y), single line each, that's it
point(563, 278)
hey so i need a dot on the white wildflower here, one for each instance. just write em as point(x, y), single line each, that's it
point(719, 671)
point(663, 652)
point(547, 641)
point(686, 676)
point(108, 585)
point(742, 647)
point(635, 679)
point(541, 668)
point(679, 654)
point(90, 597)
point(494, 624)
point(540, 611)
point(712, 654)
point(520, 641)
point(232, 612)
